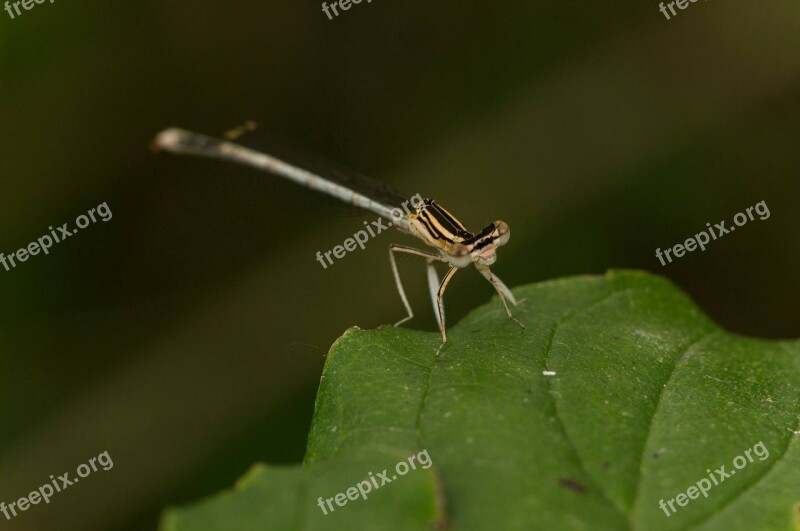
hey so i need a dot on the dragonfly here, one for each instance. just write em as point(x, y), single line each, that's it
point(450, 241)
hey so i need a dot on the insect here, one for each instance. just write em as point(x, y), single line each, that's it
point(452, 243)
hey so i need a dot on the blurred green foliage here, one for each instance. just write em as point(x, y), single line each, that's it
point(186, 336)
point(646, 395)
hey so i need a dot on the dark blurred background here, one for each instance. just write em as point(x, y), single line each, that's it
point(186, 336)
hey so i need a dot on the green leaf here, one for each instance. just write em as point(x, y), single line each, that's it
point(648, 395)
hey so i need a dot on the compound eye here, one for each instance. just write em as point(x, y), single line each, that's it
point(459, 255)
point(503, 232)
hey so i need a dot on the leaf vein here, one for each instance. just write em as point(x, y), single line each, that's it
point(558, 418)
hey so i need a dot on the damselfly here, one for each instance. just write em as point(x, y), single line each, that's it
point(438, 228)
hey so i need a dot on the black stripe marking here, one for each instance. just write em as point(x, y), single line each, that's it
point(485, 234)
point(431, 228)
point(445, 217)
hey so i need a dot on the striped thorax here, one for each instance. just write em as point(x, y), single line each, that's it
point(439, 228)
